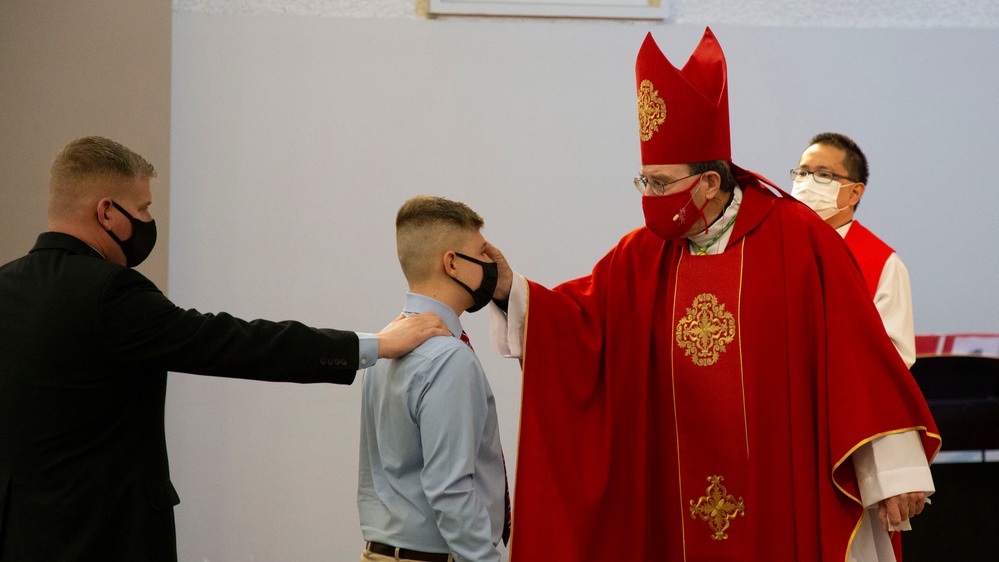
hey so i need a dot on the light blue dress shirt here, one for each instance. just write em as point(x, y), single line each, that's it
point(431, 466)
point(367, 349)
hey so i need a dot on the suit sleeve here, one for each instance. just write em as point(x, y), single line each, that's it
point(143, 327)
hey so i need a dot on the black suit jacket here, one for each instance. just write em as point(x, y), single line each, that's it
point(85, 346)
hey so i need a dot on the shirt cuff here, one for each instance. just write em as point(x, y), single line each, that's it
point(891, 465)
point(507, 327)
point(367, 351)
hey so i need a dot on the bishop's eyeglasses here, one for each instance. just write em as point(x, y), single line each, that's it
point(657, 187)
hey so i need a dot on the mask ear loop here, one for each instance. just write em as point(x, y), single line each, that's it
point(841, 209)
point(473, 260)
point(700, 210)
point(690, 190)
point(466, 287)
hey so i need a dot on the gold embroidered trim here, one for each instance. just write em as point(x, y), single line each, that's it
point(717, 507)
point(676, 420)
point(742, 363)
point(651, 110)
point(705, 331)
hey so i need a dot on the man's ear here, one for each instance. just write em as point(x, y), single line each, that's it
point(856, 192)
point(448, 261)
point(102, 212)
point(712, 184)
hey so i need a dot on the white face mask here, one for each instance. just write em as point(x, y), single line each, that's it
point(821, 197)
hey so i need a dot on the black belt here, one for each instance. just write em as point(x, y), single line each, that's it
point(405, 553)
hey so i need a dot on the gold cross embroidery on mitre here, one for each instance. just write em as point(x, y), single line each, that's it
point(651, 110)
point(717, 507)
point(706, 329)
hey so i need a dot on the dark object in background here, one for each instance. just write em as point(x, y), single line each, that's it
point(962, 523)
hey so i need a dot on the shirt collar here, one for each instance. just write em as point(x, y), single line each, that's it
point(844, 228)
point(416, 303)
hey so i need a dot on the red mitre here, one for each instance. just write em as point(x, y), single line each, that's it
point(683, 114)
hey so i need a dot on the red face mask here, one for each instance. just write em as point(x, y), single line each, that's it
point(667, 215)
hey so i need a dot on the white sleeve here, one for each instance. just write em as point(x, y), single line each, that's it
point(893, 300)
point(892, 465)
point(887, 466)
point(507, 329)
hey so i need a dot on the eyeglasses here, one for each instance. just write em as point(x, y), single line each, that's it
point(658, 188)
point(821, 176)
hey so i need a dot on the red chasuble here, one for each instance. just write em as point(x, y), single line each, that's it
point(680, 407)
point(871, 254)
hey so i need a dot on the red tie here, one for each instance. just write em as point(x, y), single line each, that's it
point(507, 508)
point(507, 511)
point(464, 338)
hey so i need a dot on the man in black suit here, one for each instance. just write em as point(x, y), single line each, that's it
point(85, 346)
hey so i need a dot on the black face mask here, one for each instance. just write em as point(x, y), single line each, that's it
point(140, 244)
point(484, 294)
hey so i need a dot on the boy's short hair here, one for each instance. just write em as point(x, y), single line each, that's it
point(426, 227)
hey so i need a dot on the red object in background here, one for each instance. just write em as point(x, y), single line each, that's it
point(986, 345)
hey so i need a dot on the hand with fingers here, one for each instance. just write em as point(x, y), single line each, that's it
point(405, 333)
point(504, 279)
point(896, 509)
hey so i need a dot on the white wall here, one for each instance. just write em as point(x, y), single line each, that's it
point(295, 140)
point(825, 13)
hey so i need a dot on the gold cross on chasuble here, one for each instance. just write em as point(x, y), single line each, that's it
point(717, 507)
point(706, 371)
